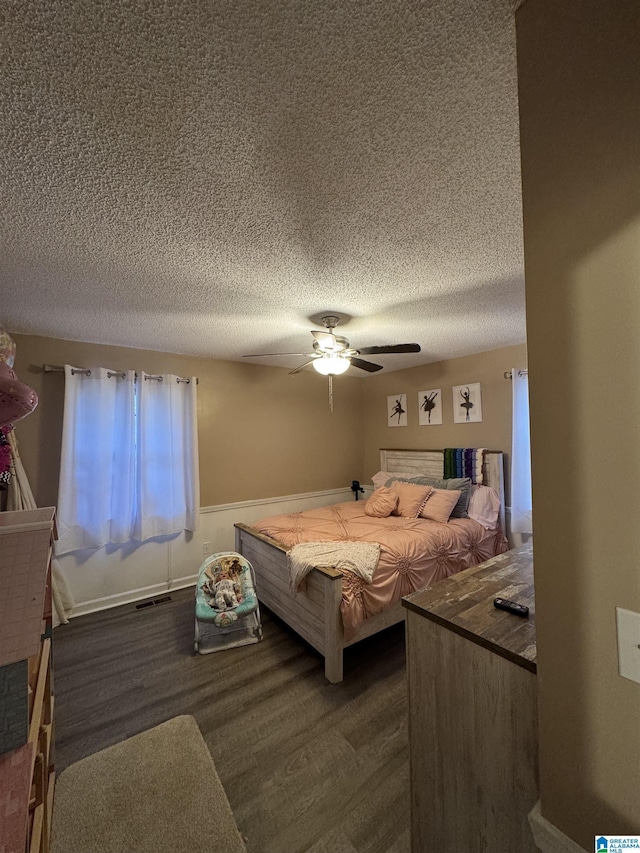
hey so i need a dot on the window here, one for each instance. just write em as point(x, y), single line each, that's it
point(129, 466)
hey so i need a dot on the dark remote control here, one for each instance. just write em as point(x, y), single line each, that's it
point(511, 607)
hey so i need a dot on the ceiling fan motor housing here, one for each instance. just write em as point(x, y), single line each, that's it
point(330, 321)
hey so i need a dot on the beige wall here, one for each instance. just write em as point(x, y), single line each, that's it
point(579, 79)
point(494, 432)
point(262, 433)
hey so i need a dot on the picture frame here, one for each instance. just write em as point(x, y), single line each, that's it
point(430, 407)
point(467, 403)
point(397, 410)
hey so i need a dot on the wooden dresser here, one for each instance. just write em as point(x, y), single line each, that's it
point(26, 696)
point(473, 710)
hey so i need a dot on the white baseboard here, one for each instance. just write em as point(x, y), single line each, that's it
point(548, 837)
point(131, 596)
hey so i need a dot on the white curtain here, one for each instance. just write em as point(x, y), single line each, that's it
point(21, 497)
point(168, 476)
point(97, 495)
point(521, 505)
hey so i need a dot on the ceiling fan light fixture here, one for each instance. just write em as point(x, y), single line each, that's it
point(331, 364)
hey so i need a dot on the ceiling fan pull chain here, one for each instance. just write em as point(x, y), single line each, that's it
point(331, 393)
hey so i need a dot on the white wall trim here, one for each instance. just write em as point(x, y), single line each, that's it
point(548, 837)
point(264, 501)
point(180, 583)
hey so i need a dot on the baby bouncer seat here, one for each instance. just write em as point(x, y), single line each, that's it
point(227, 611)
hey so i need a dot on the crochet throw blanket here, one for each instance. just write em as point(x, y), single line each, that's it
point(361, 558)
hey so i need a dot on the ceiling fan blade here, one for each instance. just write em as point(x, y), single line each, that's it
point(383, 350)
point(302, 366)
point(369, 366)
point(271, 354)
point(326, 340)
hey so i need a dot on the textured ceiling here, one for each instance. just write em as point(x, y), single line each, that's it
point(206, 177)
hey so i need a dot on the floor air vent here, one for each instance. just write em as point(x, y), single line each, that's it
point(161, 600)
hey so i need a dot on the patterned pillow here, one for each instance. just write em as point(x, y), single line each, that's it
point(381, 503)
point(411, 498)
point(440, 504)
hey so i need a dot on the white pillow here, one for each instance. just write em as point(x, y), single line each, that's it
point(381, 477)
point(484, 506)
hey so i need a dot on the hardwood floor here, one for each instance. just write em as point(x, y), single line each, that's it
point(308, 766)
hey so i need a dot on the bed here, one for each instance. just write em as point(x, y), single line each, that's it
point(333, 610)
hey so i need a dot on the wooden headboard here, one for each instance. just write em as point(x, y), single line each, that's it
point(431, 463)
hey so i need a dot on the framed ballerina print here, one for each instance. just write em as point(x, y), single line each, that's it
point(397, 410)
point(430, 407)
point(467, 404)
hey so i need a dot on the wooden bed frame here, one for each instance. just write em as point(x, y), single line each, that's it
point(315, 613)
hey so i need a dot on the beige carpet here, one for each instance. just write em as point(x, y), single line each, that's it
point(156, 792)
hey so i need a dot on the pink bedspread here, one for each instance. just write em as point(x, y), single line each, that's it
point(414, 552)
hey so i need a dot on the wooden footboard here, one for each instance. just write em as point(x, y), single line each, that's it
point(314, 613)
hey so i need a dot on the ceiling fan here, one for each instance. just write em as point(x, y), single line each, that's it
point(332, 354)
